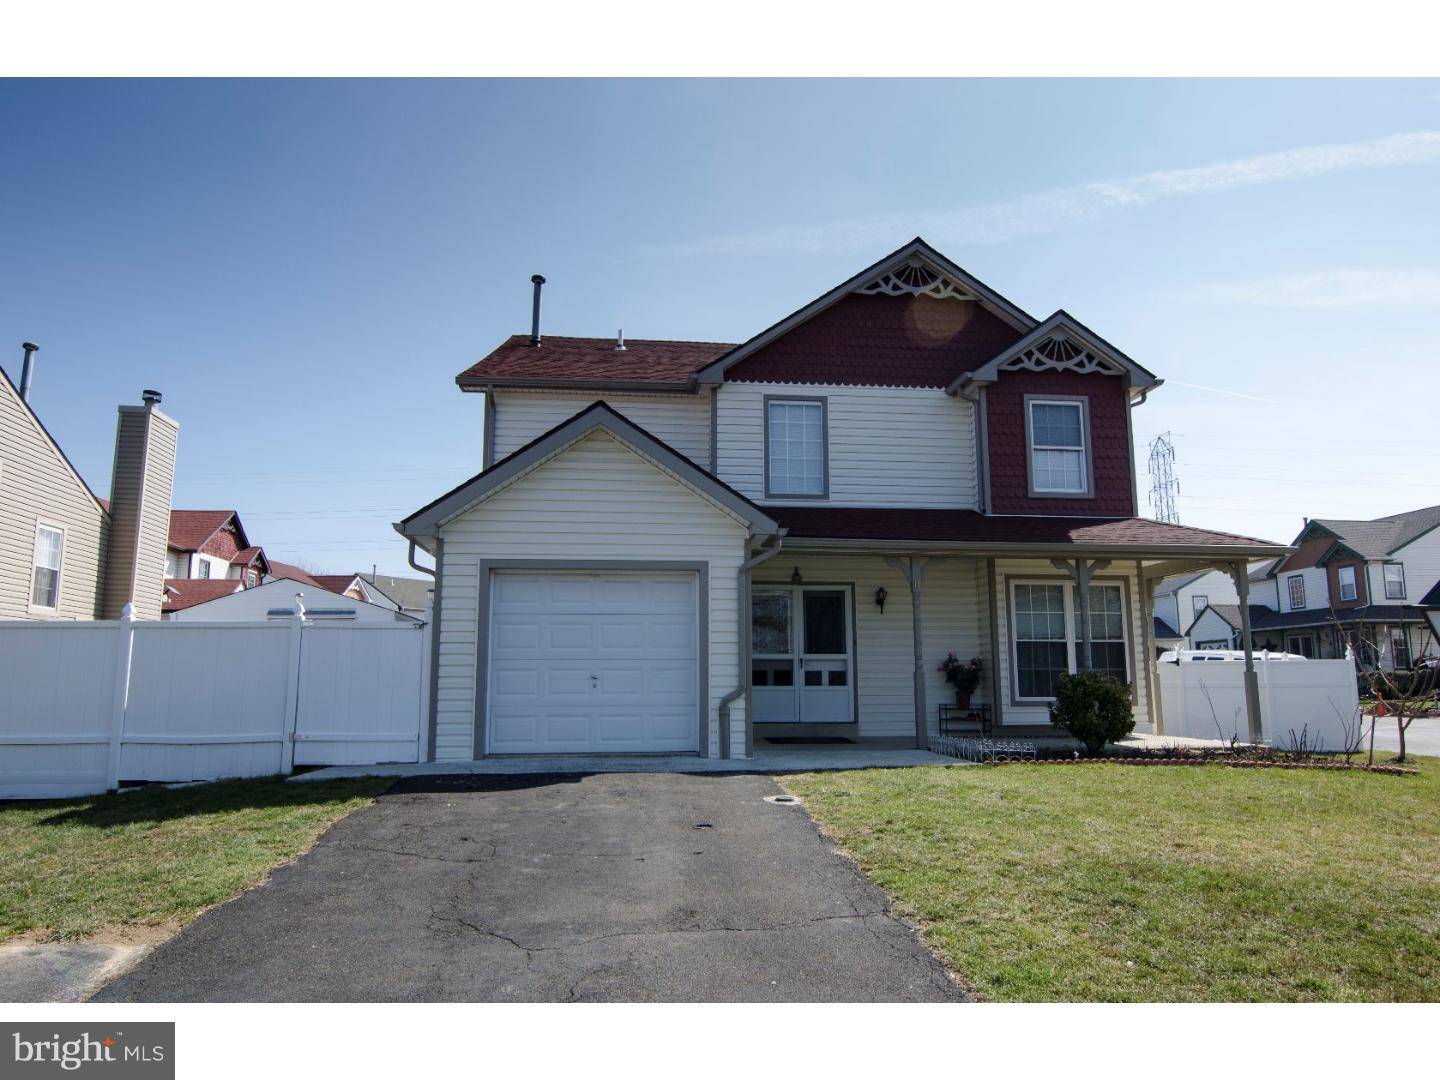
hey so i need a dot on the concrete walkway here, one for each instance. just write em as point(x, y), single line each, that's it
point(61, 971)
point(765, 761)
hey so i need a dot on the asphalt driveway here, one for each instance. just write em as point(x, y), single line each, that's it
point(634, 887)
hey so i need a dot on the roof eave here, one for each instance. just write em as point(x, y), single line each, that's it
point(1219, 552)
point(479, 384)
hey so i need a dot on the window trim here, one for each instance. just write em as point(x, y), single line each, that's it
point(824, 403)
point(1354, 583)
point(1071, 642)
point(1087, 489)
point(1385, 581)
point(41, 609)
point(1198, 602)
point(1290, 581)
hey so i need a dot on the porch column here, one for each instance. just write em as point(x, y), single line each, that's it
point(914, 571)
point(1080, 572)
point(1147, 639)
point(1241, 573)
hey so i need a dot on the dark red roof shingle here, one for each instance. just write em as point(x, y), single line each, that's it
point(586, 360)
point(970, 526)
point(861, 340)
point(182, 593)
point(189, 529)
point(291, 573)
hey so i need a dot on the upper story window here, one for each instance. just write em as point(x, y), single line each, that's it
point(1058, 430)
point(202, 568)
point(795, 464)
point(1198, 603)
point(176, 565)
point(49, 554)
point(1296, 585)
point(1346, 576)
point(1394, 581)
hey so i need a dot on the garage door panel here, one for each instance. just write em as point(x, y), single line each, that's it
point(603, 662)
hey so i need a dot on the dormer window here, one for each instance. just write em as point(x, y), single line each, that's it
point(795, 449)
point(1058, 435)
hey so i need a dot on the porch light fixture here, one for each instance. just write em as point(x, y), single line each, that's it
point(795, 578)
point(880, 595)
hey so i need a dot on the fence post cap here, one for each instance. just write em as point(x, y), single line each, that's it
point(299, 608)
point(127, 612)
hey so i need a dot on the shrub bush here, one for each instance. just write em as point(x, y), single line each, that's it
point(1093, 707)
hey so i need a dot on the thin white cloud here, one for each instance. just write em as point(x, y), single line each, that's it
point(1395, 290)
point(1046, 211)
point(1218, 390)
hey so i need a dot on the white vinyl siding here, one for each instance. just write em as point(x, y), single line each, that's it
point(1210, 631)
point(1316, 585)
point(36, 484)
point(887, 446)
point(681, 421)
point(595, 501)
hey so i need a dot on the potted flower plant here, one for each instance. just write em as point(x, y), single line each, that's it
point(963, 676)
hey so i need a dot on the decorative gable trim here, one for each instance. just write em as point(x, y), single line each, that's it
point(916, 278)
point(1060, 343)
point(893, 276)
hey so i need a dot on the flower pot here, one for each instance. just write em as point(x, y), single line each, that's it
point(962, 699)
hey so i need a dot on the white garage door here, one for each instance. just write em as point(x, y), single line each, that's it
point(593, 663)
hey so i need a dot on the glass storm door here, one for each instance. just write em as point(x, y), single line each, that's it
point(801, 670)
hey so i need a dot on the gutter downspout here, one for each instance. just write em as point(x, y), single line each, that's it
point(434, 628)
point(743, 591)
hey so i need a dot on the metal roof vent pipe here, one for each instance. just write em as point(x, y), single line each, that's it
point(619, 340)
point(27, 368)
point(538, 280)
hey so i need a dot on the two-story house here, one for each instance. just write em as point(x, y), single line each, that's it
point(1357, 583)
point(65, 553)
point(691, 547)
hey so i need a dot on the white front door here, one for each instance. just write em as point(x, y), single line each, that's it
point(802, 668)
point(604, 662)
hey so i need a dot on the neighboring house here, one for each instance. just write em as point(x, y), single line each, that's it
point(65, 554)
point(1165, 637)
point(1359, 583)
point(289, 572)
point(181, 594)
point(410, 595)
point(208, 544)
point(276, 600)
point(688, 547)
point(1218, 626)
point(1179, 600)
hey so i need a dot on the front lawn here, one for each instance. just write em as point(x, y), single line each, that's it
point(1126, 883)
point(71, 867)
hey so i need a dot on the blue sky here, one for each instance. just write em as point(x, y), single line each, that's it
point(303, 267)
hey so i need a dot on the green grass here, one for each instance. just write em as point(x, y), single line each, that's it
point(68, 868)
point(1126, 883)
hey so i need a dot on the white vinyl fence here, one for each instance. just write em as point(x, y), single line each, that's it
point(1206, 700)
point(85, 706)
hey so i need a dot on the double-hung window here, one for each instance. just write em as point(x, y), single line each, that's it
point(1059, 450)
point(49, 555)
point(1394, 581)
point(1047, 637)
point(1296, 585)
point(795, 449)
point(1346, 576)
point(202, 567)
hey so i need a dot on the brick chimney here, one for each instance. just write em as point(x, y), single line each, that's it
point(140, 489)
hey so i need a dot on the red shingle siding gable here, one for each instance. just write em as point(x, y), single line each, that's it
point(223, 545)
point(914, 341)
point(1110, 455)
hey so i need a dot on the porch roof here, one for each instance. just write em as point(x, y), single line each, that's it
point(1134, 537)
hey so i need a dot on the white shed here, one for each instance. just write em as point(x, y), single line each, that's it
point(276, 598)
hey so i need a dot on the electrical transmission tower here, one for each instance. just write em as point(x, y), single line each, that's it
point(1163, 485)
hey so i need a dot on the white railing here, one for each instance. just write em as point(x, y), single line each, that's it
point(86, 706)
